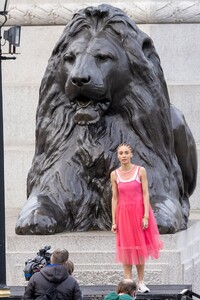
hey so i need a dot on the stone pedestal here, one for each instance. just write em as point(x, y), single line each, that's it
point(93, 254)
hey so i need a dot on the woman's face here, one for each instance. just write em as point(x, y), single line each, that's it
point(124, 154)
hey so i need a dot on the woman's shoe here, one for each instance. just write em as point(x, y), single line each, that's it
point(142, 288)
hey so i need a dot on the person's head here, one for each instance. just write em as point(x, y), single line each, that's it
point(70, 266)
point(126, 286)
point(59, 256)
point(124, 153)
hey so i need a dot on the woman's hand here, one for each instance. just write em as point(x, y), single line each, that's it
point(114, 228)
point(145, 222)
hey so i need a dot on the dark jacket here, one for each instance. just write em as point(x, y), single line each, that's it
point(51, 275)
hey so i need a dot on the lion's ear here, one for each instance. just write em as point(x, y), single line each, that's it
point(147, 47)
point(150, 53)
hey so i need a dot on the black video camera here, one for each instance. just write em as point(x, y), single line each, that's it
point(36, 264)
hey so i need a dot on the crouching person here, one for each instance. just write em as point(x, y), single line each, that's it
point(53, 281)
point(126, 290)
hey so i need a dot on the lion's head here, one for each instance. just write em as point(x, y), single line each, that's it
point(104, 65)
point(103, 85)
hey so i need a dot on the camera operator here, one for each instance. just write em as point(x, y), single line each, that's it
point(53, 281)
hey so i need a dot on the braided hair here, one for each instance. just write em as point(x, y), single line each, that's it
point(127, 145)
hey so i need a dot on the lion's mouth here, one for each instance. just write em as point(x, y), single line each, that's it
point(88, 110)
point(84, 102)
point(87, 103)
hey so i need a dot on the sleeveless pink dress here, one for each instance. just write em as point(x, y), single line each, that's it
point(133, 244)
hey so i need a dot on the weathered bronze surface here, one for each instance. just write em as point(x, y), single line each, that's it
point(103, 86)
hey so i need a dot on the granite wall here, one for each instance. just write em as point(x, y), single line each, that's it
point(174, 27)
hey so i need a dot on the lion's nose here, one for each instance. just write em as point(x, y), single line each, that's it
point(80, 80)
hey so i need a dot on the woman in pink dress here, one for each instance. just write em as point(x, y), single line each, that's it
point(133, 221)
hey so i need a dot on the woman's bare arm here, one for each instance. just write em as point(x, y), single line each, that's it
point(145, 191)
point(114, 201)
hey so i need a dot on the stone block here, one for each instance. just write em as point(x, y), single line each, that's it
point(37, 43)
point(17, 164)
point(178, 48)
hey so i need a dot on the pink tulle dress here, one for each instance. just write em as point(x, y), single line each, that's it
point(133, 244)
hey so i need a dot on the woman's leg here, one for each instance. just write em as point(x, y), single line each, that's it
point(141, 286)
point(127, 271)
point(140, 272)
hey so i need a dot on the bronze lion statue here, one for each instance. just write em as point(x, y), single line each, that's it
point(104, 85)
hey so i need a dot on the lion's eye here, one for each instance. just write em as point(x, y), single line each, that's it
point(102, 57)
point(69, 58)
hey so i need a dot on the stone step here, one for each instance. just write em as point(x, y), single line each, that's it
point(94, 257)
point(74, 241)
point(100, 274)
point(118, 267)
point(96, 277)
point(71, 241)
point(103, 267)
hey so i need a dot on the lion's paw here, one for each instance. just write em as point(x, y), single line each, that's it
point(38, 216)
point(36, 223)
